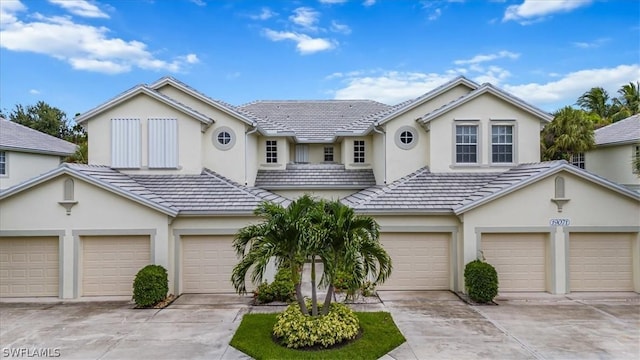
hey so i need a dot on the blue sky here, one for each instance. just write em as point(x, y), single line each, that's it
point(77, 54)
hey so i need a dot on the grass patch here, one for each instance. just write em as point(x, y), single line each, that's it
point(379, 336)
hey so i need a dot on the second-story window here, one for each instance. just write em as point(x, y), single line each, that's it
point(3, 163)
point(358, 151)
point(328, 153)
point(577, 160)
point(502, 144)
point(466, 144)
point(272, 151)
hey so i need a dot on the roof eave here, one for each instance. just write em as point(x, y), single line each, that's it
point(313, 187)
point(36, 151)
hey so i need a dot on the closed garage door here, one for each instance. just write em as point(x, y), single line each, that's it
point(519, 260)
point(207, 263)
point(29, 266)
point(420, 261)
point(110, 263)
point(600, 262)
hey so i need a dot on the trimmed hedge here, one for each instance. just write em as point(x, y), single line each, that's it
point(481, 281)
point(296, 330)
point(150, 286)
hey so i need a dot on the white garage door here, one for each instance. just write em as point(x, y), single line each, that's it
point(600, 262)
point(29, 266)
point(110, 263)
point(207, 263)
point(519, 260)
point(420, 261)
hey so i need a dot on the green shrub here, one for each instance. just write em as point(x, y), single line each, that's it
point(150, 285)
point(481, 281)
point(281, 289)
point(296, 330)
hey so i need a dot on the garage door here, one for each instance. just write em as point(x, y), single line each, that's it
point(519, 260)
point(420, 261)
point(600, 262)
point(29, 266)
point(110, 263)
point(207, 263)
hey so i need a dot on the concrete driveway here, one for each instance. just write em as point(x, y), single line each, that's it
point(437, 325)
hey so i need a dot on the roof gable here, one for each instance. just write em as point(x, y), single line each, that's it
point(146, 91)
point(625, 131)
point(484, 89)
point(17, 137)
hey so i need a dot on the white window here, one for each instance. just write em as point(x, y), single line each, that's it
point(635, 165)
point(328, 153)
point(272, 151)
point(302, 153)
point(502, 144)
point(224, 138)
point(3, 163)
point(358, 151)
point(125, 143)
point(163, 143)
point(577, 160)
point(406, 137)
point(466, 144)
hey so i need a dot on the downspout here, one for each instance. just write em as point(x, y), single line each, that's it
point(384, 145)
point(246, 136)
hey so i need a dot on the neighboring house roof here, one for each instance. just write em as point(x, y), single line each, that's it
point(206, 193)
point(626, 131)
point(486, 88)
point(426, 192)
point(314, 120)
point(143, 89)
point(16, 137)
point(315, 176)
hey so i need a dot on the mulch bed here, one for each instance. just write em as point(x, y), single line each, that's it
point(162, 304)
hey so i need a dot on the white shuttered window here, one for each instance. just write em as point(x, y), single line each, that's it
point(163, 143)
point(125, 143)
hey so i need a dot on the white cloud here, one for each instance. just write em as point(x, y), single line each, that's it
point(81, 8)
point(84, 47)
point(305, 17)
point(488, 57)
point(531, 10)
point(590, 45)
point(305, 44)
point(8, 11)
point(340, 28)
point(369, 3)
point(569, 87)
point(434, 15)
point(265, 14)
point(199, 2)
point(34, 92)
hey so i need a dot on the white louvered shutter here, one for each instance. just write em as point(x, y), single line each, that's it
point(163, 143)
point(125, 143)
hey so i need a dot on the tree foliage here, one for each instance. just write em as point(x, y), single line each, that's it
point(597, 101)
point(308, 230)
point(570, 132)
point(52, 121)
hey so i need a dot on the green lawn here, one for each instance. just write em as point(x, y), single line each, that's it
point(379, 336)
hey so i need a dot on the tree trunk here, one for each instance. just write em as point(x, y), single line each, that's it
point(327, 300)
point(314, 296)
point(298, 287)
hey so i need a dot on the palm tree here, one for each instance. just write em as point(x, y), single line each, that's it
point(570, 132)
point(351, 243)
point(283, 235)
point(596, 101)
point(628, 103)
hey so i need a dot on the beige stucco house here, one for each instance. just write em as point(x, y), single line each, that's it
point(617, 145)
point(450, 176)
point(26, 153)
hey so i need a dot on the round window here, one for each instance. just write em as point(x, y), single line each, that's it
point(406, 137)
point(223, 138)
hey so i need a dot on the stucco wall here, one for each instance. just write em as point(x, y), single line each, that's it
point(143, 107)
point(347, 152)
point(98, 212)
point(22, 166)
point(400, 161)
point(484, 110)
point(614, 163)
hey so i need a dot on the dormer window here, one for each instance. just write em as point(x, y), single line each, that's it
point(358, 151)
point(466, 144)
point(272, 151)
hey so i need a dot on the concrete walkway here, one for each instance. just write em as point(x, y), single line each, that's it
point(437, 325)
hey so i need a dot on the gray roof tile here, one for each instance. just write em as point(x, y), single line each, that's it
point(623, 131)
point(315, 176)
point(315, 120)
point(14, 136)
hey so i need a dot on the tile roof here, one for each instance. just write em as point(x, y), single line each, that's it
point(315, 176)
point(315, 120)
point(14, 136)
point(623, 131)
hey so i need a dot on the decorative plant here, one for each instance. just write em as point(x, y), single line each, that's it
point(150, 285)
point(481, 281)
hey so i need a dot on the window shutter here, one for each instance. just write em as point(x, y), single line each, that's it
point(302, 153)
point(125, 143)
point(163, 143)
